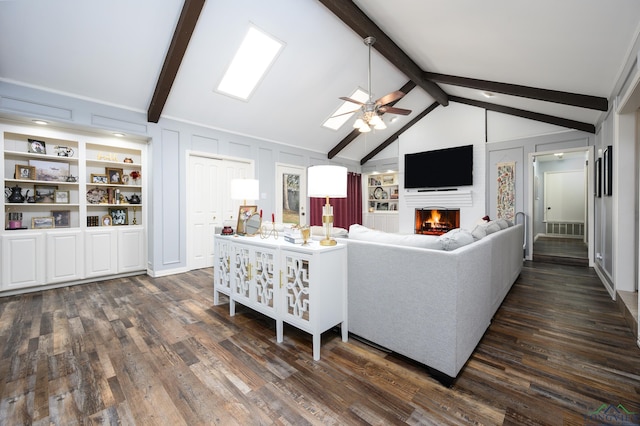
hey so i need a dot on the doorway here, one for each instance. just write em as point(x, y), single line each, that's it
point(561, 208)
point(291, 194)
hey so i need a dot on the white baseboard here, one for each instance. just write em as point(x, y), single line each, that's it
point(166, 272)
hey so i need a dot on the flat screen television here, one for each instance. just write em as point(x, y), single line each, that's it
point(441, 168)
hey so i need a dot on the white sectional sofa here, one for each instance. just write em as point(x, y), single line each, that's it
point(429, 304)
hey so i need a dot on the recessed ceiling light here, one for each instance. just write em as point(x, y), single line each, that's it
point(41, 122)
point(394, 119)
point(488, 94)
point(119, 135)
point(251, 62)
point(341, 115)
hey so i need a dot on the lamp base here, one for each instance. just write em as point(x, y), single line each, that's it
point(328, 242)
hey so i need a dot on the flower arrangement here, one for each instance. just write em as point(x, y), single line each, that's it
point(135, 175)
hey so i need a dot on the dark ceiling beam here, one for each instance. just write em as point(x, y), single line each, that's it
point(181, 37)
point(397, 134)
point(556, 96)
point(544, 118)
point(351, 15)
point(355, 132)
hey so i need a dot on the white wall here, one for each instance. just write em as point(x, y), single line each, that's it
point(445, 127)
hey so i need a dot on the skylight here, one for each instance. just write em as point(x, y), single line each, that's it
point(334, 122)
point(251, 62)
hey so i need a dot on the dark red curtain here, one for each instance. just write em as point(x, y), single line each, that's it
point(346, 211)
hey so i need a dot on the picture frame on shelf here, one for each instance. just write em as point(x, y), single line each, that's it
point(244, 213)
point(99, 178)
point(61, 197)
point(36, 146)
point(114, 175)
point(44, 222)
point(119, 216)
point(50, 171)
point(24, 172)
point(107, 220)
point(61, 218)
point(45, 193)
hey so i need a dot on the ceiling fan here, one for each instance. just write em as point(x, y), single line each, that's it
point(371, 110)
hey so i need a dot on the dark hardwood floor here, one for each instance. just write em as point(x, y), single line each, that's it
point(565, 251)
point(156, 351)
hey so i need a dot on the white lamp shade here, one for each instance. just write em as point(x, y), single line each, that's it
point(245, 189)
point(327, 181)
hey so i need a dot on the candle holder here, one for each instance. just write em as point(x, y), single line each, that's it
point(264, 234)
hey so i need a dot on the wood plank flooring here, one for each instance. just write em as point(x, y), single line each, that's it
point(143, 351)
point(565, 251)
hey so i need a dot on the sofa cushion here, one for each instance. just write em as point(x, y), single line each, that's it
point(479, 232)
point(455, 238)
point(491, 227)
point(336, 232)
point(362, 233)
point(502, 223)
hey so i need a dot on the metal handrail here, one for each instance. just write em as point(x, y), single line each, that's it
point(524, 222)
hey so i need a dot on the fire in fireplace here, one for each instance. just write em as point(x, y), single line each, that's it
point(432, 221)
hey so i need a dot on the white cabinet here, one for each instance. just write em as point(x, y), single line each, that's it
point(253, 277)
point(114, 250)
point(221, 268)
point(131, 249)
point(101, 252)
point(305, 287)
point(67, 189)
point(64, 256)
point(22, 260)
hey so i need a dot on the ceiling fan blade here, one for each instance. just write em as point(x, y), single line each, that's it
point(345, 113)
point(394, 110)
point(390, 97)
point(353, 101)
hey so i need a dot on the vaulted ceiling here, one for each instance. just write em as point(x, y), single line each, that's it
point(547, 60)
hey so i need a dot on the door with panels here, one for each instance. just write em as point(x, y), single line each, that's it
point(210, 203)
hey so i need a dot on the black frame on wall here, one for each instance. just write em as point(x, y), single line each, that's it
point(598, 178)
point(608, 170)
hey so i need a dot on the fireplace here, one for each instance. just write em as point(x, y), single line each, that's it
point(436, 221)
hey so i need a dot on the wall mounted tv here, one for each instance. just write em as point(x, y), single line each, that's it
point(441, 168)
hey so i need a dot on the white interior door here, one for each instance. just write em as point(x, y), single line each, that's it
point(210, 204)
point(564, 196)
point(204, 209)
point(291, 194)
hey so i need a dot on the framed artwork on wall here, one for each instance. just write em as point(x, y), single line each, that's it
point(597, 185)
point(607, 172)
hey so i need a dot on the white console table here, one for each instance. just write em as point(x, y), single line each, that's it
point(304, 286)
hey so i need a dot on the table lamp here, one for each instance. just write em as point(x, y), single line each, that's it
point(327, 182)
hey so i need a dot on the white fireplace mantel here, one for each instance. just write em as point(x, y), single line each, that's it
point(449, 199)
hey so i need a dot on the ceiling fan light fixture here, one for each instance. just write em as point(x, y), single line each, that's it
point(380, 125)
point(364, 128)
point(359, 123)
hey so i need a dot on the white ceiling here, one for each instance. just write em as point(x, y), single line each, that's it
point(112, 52)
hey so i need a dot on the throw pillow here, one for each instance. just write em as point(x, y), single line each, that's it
point(502, 223)
point(479, 232)
point(491, 227)
point(455, 238)
point(336, 232)
point(362, 233)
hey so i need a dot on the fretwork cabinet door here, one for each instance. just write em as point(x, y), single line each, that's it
point(253, 278)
